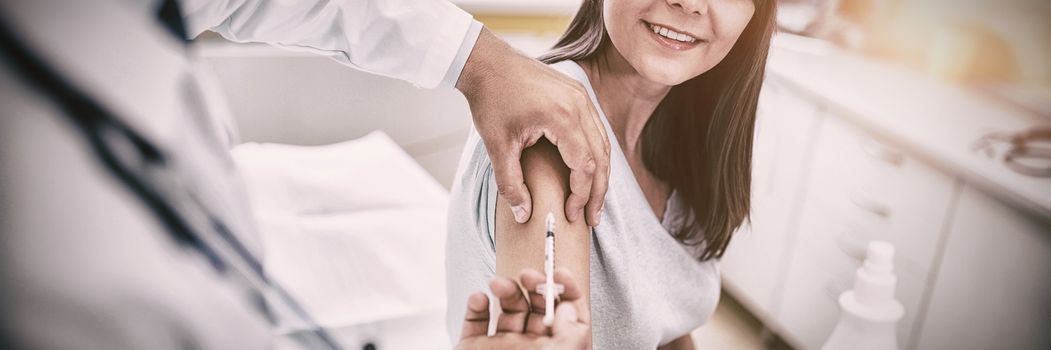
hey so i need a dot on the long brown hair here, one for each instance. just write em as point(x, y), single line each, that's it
point(713, 172)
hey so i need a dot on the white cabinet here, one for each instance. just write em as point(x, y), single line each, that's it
point(992, 289)
point(973, 272)
point(859, 190)
point(843, 163)
point(784, 132)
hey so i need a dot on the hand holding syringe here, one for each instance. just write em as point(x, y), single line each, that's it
point(570, 329)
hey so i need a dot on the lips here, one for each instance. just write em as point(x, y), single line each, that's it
point(671, 38)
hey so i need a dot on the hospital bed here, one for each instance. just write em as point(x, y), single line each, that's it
point(355, 231)
point(347, 176)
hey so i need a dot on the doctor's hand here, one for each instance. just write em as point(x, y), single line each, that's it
point(514, 101)
point(519, 325)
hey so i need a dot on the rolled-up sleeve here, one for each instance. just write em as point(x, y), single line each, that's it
point(425, 42)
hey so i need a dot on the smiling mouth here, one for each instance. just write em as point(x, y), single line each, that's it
point(670, 38)
point(670, 33)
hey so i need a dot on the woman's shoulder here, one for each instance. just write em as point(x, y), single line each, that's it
point(570, 69)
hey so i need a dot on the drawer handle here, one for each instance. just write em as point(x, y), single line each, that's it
point(877, 150)
point(869, 204)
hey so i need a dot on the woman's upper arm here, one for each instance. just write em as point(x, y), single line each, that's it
point(521, 246)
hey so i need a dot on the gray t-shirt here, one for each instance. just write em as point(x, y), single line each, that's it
point(647, 289)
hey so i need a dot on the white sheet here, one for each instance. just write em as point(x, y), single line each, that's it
point(355, 231)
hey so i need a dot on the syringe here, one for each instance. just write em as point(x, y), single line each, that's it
point(549, 289)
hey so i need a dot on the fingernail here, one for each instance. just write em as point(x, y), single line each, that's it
point(520, 213)
point(601, 209)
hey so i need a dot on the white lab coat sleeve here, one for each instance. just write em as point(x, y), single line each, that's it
point(425, 42)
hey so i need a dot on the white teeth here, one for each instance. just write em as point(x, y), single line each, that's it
point(671, 34)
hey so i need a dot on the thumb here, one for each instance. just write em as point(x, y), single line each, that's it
point(568, 331)
point(507, 166)
point(476, 321)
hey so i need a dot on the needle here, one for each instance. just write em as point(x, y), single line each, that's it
point(549, 270)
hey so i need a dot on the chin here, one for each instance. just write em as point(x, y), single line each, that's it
point(662, 70)
point(665, 75)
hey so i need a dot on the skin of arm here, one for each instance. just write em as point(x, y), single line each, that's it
point(521, 246)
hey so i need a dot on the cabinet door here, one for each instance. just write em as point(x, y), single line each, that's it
point(859, 190)
point(753, 261)
point(993, 287)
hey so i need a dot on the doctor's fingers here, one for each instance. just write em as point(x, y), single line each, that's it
point(507, 168)
point(476, 321)
point(569, 331)
point(570, 135)
point(513, 305)
point(531, 280)
point(595, 131)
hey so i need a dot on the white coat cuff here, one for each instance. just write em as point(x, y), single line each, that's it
point(453, 74)
point(443, 51)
